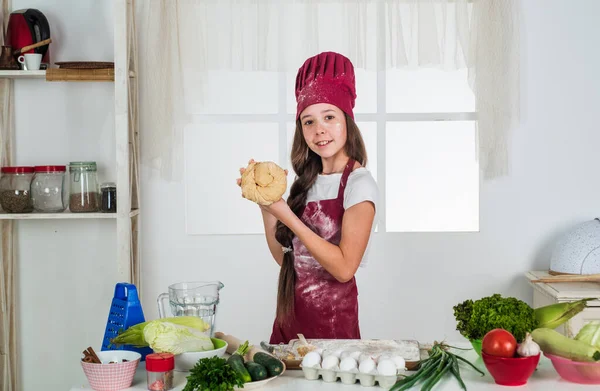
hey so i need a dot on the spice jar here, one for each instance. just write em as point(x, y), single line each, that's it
point(159, 371)
point(84, 187)
point(15, 189)
point(49, 189)
point(108, 195)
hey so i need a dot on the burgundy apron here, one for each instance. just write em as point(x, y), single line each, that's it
point(324, 307)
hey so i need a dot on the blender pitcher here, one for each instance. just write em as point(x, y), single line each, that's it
point(192, 299)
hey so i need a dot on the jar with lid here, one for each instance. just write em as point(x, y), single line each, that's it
point(159, 371)
point(84, 195)
point(108, 197)
point(15, 189)
point(49, 189)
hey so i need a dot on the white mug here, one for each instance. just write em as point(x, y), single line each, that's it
point(31, 61)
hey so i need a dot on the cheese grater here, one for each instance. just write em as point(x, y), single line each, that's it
point(125, 311)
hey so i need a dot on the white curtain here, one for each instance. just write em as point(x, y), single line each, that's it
point(180, 40)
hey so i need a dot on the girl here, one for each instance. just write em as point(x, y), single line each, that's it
point(319, 237)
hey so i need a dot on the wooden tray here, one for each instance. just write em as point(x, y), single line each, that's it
point(85, 64)
point(292, 356)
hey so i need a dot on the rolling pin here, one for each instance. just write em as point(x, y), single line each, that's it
point(234, 343)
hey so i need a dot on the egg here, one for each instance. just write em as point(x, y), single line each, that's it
point(384, 357)
point(330, 362)
point(386, 367)
point(330, 352)
point(348, 364)
point(356, 355)
point(367, 366)
point(364, 357)
point(312, 360)
point(400, 362)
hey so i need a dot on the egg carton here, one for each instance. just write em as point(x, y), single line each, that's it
point(365, 379)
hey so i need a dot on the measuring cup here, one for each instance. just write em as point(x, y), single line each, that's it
point(192, 299)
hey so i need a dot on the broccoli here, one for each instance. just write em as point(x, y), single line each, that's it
point(475, 318)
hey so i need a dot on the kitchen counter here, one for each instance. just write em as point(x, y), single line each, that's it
point(545, 378)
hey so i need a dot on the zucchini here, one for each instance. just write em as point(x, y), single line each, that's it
point(553, 342)
point(273, 365)
point(257, 371)
point(237, 363)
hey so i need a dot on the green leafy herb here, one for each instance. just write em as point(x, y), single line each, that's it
point(212, 374)
point(431, 370)
point(475, 318)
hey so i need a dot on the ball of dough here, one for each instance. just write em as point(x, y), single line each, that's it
point(263, 183)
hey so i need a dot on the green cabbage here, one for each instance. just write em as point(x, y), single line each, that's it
point(590, 334)
point(173, 338)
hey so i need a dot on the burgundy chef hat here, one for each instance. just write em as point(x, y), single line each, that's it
point(327, 77)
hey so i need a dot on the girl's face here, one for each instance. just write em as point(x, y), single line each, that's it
point(324, 129)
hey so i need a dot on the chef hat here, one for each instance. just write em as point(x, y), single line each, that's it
point(327, 77)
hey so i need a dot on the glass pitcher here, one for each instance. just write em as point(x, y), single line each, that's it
point(192, 299)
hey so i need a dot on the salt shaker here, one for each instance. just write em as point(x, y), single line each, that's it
point(159, 371)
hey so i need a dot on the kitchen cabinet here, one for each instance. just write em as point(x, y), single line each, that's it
point(561, 292)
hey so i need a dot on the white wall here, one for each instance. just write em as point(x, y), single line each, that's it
point(66, 272)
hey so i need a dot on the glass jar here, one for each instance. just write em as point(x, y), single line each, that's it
point(84, 196)
point(108, 196)
point(159, 371)
point(15, 189)
point(49, 189)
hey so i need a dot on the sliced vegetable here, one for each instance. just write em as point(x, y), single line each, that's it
point(173, 338)
point(273, 365)
point(555, 343)
point(134, 335)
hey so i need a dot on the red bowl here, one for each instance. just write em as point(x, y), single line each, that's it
point(513, 371)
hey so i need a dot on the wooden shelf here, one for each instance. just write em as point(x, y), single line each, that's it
point(4, 74)
point(62, 216)
point(22, 74)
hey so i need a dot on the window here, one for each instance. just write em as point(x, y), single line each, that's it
point(418, 127)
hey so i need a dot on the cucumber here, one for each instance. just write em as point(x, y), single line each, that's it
point(553, 342)
point(237, 363)
point(273, 365)
point(257, 371)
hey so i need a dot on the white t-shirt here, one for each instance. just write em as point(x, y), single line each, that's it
point(361, 187)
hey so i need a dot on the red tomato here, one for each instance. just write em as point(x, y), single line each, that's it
point(499, 342)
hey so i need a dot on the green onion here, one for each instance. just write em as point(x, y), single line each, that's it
point(434, 368)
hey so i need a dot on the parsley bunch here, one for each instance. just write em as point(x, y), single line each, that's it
point(475, 318)
point(212, 374)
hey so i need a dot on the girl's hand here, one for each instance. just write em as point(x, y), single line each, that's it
point(239, 180)
point(279, 209)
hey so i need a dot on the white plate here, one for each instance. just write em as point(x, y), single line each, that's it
point(257, 384)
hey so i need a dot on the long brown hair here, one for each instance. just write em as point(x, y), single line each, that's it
point(307, 165)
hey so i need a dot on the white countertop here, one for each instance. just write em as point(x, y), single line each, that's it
point(545, 378)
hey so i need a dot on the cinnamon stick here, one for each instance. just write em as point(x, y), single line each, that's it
point(91, 355)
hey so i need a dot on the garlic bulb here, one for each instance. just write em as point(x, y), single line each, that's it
point(528, 347)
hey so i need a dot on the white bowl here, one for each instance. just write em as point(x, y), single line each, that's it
point(186, 361)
